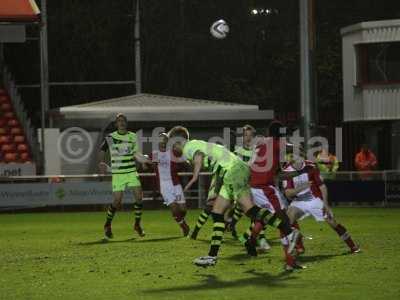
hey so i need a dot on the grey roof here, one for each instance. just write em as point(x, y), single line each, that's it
point(148, 107)
point(150, 100)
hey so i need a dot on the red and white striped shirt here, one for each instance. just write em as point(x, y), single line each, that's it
point(166, 168)
point(308, 173)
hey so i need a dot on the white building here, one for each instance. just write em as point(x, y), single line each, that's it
point(371, 85)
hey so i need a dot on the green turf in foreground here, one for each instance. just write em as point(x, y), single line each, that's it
point(58, 256)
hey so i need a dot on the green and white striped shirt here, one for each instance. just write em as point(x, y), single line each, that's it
point(122, 148)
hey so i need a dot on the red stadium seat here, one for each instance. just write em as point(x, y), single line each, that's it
point(3, 92)
point(22, 148)
point(13, 123)
point(7, 148)
point(5, 139)
point(4, 99)
point(9, 115)
point(3, 121)
point(11, 157)
point(24, 156)
point(3, 130)
point(5, 107)
point(18, 139)
point(16, 131)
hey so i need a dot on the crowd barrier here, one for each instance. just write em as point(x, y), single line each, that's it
point(347, 188)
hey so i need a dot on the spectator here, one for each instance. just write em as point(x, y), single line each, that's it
point(327, 164)
point(365, 161)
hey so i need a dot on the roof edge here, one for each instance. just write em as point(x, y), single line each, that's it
point(369, 25)
point(203, 101)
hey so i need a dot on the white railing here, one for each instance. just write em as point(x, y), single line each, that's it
point(99, 186)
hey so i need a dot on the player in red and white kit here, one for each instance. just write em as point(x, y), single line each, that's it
point(309, 197)
point(264, 169)
point(167, 166)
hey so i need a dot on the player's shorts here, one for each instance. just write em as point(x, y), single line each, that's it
point(172, 193)
point(313, 207)
point(269, 197)
point(121, 181)
point(234, 183)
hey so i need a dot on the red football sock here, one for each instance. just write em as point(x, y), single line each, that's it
point(177, 216)
point(290, 260)
point(257, 228)
point(345, 236)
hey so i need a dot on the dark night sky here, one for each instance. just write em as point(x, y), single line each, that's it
point(257, 63)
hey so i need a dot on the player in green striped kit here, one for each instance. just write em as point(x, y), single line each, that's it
point(232, 184)
point(245, 153)
point(123, 149)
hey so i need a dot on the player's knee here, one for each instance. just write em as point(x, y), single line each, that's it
point(252, 213)
point(174, 208)
point(210, 203)
point(117, 204)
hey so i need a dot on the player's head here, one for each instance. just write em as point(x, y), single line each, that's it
point(289, 152)
point(275, 129)
point(364, 147)
point(162, 144)
point(121, 122)
point(297, 159)
point(178, 136)
point(248, 134)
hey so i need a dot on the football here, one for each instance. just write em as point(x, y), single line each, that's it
point(219, 29)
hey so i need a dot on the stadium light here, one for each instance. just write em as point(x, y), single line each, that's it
point(263, 11)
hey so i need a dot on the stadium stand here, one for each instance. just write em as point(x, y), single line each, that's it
point(13, 142)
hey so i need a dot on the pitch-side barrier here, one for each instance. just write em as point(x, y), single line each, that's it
point(345, 188)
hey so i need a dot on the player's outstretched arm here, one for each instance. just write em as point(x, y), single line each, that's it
point(143, 159)
point(198, 163)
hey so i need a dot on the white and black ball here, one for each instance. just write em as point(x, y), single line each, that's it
point(219, 29)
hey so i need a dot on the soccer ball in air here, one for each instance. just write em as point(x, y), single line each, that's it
point(219, 29)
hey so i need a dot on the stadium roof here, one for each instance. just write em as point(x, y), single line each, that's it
point(384, 29)
point(19, 11)
point(148, 108)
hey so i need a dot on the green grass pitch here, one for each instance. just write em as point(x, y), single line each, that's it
point(59, 256)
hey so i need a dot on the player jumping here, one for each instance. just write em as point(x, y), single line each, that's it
point(232, 184)
point(123, 150)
